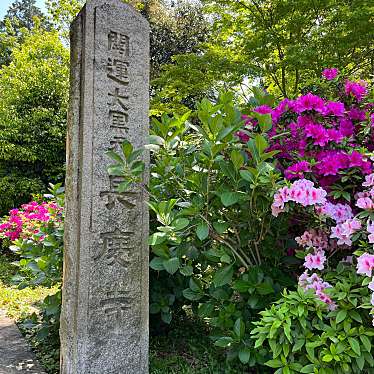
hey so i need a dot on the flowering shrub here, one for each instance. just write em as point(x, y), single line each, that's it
point(29, 221)
point(35, 232)
point(323, 139)
point(323, 135)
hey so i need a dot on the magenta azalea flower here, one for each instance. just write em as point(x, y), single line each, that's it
point(297, 170)
point(356, 89)
point(330, 73)
point(309, 102)
point(263, 109)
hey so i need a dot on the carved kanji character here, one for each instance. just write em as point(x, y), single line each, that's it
point(118, 99)
point(116, 248)
point(118, 70)
point(118, 42)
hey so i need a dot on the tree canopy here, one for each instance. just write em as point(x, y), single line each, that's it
point(276, 42)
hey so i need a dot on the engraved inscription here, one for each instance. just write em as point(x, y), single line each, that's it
point(118, 119)
point(118, 70)
point(117, 141)
point(116, 248)
point(126, 199)
point(114, 306)
point(118, 99)
point(118, 42)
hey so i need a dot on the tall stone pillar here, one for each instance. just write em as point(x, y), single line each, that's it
point(104, 321)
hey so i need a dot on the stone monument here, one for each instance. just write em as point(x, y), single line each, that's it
point(104, 321)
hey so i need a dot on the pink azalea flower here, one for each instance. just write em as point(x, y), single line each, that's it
point(309, 102)
point(346, 127)
point(357, 114)
point(371, 285)
point(344, 231)
point(297, 170)
point(365, 203)
point(338, 212)
point(365, 264)
point(370, 229)
point(369, 180)
point(335, 108)
point(330, 73)
point(315, 260)
point(313, 239)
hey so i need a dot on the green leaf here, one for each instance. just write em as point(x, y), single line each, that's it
point(127, 148)
point(195, 285)
point(171, 265)
point(327, 358)
point(261, 143)
point(366, 342)
point(166, 317)
point(157, 238)
point(341, 315)
point(192, 295)
point(265, 289)
point(161, 251)
point(202, 231)
point(307, 369)
point(355, 315)
point(157, 263)
point(229, 198)
point(244, 355)
point(180, 223)
point(224, 132)
point(224, 341)
point(274, 364)
point(223, 276)
point(360, 362)
point(187, 270)
point(205, 310)
point(246, 175)
point(220, 227)
point(114, 156)
point(353, 342)
point(154, 308)
point(237, 158)
point(298, 345)
point(239, 328)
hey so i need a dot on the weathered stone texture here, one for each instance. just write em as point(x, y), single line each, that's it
point(104, 323)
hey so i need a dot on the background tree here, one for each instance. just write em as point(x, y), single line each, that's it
point(22, 16)
point(33, 98)
point(177, 27)
point(279, 43)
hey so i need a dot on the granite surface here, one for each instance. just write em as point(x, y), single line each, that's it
point(104, 322)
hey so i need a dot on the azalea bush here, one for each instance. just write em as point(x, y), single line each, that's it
point(337, 323)
point(331, 204)
point(34, 232)
point(323, 135)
